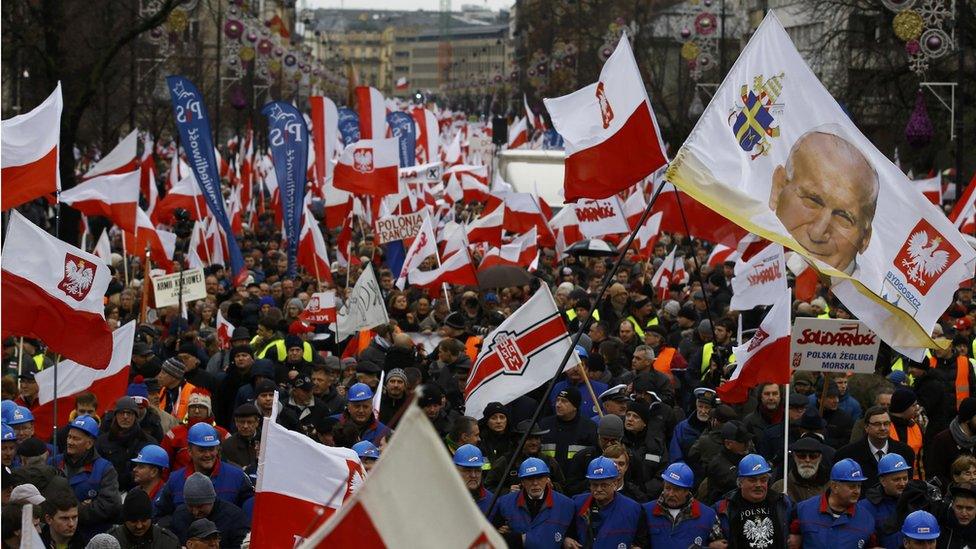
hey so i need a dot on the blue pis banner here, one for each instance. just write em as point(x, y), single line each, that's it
point(403, 127)
point(288, 140)
point(348, 125)
point(196, 139)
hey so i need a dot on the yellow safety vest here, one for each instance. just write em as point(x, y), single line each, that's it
point(282, 352)
point(707, 350)
point(638, 329)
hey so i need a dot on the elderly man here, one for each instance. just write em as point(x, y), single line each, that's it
point(469, 462)
point(826, 196)
point(537, 515)
point(201, 502)
point(809, 472)
point(690, 428)
point(835, 518)
point(604, 518)
point(359, 412)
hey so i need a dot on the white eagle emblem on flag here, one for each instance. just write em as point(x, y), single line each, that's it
point(363, 160)
point(78, 277)
point(924, 256)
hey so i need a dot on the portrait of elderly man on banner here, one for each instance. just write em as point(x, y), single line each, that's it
point(776, 154)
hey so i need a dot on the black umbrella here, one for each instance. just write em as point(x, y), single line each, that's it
point(503, 276)
point(593, 247)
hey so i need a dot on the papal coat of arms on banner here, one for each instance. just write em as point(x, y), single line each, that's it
point(753, 119)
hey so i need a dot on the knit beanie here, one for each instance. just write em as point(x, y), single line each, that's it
point(174, 367)
point(137, 388)
point(573, 395)
point(198, 490)
point(397, 373)
point(136, 505)
point(902, 400)
point(640, 409)
point(103, 541)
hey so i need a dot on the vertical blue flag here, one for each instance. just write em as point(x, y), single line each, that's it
point(402, 125)
point(197, 142)
point(348, 125)
point(288, 139)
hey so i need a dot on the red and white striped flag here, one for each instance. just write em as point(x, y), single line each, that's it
point(369, 166)
point(931, 188)
point(121, 159)
point(313, 256)
point(455, 269)
point(518, 134)
point(428, 136)
point(423, 246)
point(765, 357)
point(184, 194)
point(53, 291)
point(115, 196)
point(530, 117)
point(162, 244)
point(372, 112)
point(963, 214)
point(325, 132)
point(672, 270)
point(103, 248)
point(224, 330)
point(147, 176)
point(29, 153)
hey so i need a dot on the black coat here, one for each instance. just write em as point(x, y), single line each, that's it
point(940, 452)
point(229, 519)
point(860, 452)
point(119, 448)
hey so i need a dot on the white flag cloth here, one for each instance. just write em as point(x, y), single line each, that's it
point(121, 159)
point(520, 355)
point(397, 507)
point(788, 164)
point(424, 245)
point(601, 217)
point(759, 280)
point(103, 247)
point(364, 308)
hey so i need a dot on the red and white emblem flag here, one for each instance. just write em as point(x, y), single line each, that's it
point(321, 308)
point(369, 166)
point(53, 291)
point(759, 280)
point(121, 159)
point(765, 357)
point(301, 483)
point(114, 196)
point(395, 507)
point(372, 113)
point(520, 355)
point(424, 245)
point(612, 138)
point(224, 330)
point(29, 153)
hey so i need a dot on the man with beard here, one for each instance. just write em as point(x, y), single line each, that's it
point(835, 518)
point(394, 394)
point(123, 440)
point(239, 447)
point(677, 519)
point(359, 412)
point(536, 515)
point(881, 500)
point(752, 516)
point(531, 449)
point(956, 518)
point(711, 442)
point(93, 478)
point(137, 529)
point(605, 518)
point(769, 413)
point(808, 473)
point(689, 429)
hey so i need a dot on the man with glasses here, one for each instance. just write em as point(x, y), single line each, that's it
point(809, 471)
point(876, 444)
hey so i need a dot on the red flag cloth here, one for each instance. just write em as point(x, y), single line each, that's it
point(765, 357)
point(115, 196)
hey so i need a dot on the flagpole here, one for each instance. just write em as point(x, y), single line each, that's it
point(20, 360)
point(584, 326)
point(786, 439)
point(589, 389)
point(145, 288)
point(125, 262)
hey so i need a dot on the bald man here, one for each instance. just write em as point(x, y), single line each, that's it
point(826, 196)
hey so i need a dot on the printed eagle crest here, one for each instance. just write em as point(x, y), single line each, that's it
point(79, 277)
point(925, 258)
point(364, 160)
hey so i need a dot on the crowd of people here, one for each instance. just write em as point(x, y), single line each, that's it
point(634, 446)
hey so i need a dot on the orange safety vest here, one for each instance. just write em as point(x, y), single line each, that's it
point(662, 362)
point(179, 411)
point(963, 367)
point(915, 443)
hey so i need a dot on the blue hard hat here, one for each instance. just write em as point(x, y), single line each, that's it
point(753, 465)
point(469, 456)
point(601, 468)
point(679, 474)
point(582, 352)
point(847, 470)
point(203, 435)
point(920, 525)
point(8, 433)
point(366, 449)
point(533, 467)
point(7, 408)
point(359, 392)
point(892, 463)
point(20, 415)
point(152, 455)
point(86, 424)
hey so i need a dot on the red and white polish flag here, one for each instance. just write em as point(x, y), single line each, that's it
point(147, 176)
point(931, 188)
point(530, 117)
point(428, 135)
point(29, 153)
point(162, 244)
point(369, 166)
point(121, 159)
point(520, 355)
point(224, 330)
point(760, 279)
point(184, 194)
point(301, 483)
point(612, 139)
point(115, 196)
point(423, 246)
point(313, 255)
point(372, 113)
point(765, 357)
point(648, 234)
point(518, 134)
point(456, 269)
point(321, 309)
point(702, 222)
point(325, 130)
point(672, 270)
point(108, 385)
point(103, 247)
point(394, 508)
point(53, 291)
point(963, 214)
point(488, 228)
point(720, 254)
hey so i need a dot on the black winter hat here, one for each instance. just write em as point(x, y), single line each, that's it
point(640, 409)
point(498, 408)
point(136, 506)
point(573, 395)
point(902, 400)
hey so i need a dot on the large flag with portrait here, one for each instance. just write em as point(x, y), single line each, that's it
point(776, 154)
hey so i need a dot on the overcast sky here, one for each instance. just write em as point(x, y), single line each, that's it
point(428, 5)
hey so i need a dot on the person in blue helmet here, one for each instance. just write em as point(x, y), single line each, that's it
point(7, 408)
point(8, 446)
point(229, 481)
point(149, 469)
point(359, 412)
point(677, 519)
point(920, 531)
point(752, 515)
point(93, 479)
point(536, 516)
point(368, 453)
point(880, 500)
point(604, 518)
point(469, 462)
point(835, 518)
